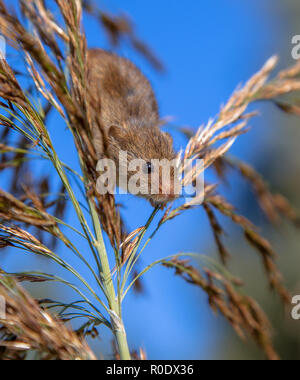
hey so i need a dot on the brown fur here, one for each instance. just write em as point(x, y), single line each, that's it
point(128, 109)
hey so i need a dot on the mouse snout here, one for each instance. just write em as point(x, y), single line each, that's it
point(168, 191)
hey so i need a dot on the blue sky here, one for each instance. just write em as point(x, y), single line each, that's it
point(208, 47)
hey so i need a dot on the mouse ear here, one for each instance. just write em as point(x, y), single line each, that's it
point(115, 132)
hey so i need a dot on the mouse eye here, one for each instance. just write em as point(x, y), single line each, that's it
point(149, 167)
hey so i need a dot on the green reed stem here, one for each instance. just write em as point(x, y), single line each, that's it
point(106, 277)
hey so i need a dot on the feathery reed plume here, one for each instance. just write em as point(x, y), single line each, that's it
point(242, 312)
point(33, 328)
point(272, 204)
point(233, 119)
point(228, 125)
point(258, 242)
point(218, 232)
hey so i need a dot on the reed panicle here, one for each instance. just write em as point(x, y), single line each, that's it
point(28, 327)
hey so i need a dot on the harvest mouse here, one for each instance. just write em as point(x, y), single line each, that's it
point(129, 113)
